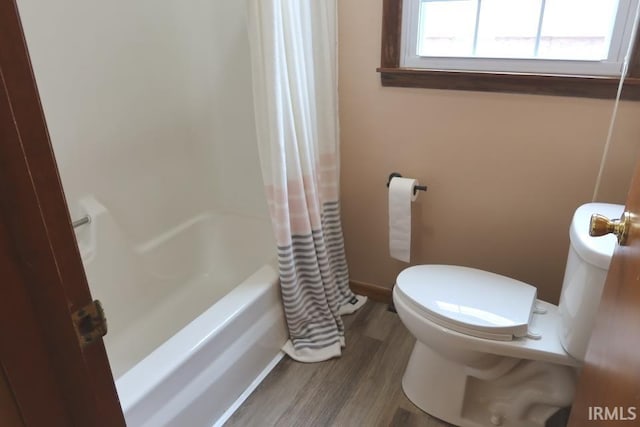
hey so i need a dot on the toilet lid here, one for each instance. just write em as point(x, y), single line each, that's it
point(470, 301)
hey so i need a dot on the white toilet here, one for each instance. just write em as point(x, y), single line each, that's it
point(487, 351)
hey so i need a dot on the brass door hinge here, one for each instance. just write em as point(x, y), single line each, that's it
point(90, 323)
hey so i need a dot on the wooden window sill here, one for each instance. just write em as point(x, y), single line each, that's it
point(578, 86)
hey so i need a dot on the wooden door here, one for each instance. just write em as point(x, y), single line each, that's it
point(9, 411)
point(51, 378)
point(609, 386)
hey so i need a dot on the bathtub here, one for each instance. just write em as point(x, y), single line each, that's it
point(194, 314)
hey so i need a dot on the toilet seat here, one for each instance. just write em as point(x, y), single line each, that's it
point(545, 320)
point(469, 301)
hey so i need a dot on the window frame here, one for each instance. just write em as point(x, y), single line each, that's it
point(392, 74)
point(610, 66)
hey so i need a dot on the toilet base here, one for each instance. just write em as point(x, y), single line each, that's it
point(509, 393)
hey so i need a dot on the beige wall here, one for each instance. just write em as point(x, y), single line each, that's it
point(505, 172)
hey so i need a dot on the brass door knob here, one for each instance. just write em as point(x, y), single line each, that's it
point(601, 225)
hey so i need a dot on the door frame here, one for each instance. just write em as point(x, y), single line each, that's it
point(43, 280)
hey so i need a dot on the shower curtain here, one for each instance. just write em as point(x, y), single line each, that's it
point(294, 67)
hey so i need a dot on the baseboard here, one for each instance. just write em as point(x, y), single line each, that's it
point(375, 292)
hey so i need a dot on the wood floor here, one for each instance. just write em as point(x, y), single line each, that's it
point(361, 388)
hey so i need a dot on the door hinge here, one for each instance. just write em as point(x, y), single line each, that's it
point(90, 323)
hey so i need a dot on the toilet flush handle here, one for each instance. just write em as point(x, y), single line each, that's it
point(601, 225)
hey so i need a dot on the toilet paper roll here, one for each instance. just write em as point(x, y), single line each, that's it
point(400, 198)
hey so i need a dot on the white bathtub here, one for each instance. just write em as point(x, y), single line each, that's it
point(195, 317)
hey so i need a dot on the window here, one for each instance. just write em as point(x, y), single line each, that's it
point(578, 37)
point(565, 47)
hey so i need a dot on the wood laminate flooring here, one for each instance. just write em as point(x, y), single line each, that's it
point(360, 388)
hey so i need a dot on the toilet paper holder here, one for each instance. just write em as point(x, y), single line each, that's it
point(397, 175)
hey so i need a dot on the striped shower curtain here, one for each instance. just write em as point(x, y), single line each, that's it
point(294, 65)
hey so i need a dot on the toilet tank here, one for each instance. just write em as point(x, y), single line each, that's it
point(586, 271)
